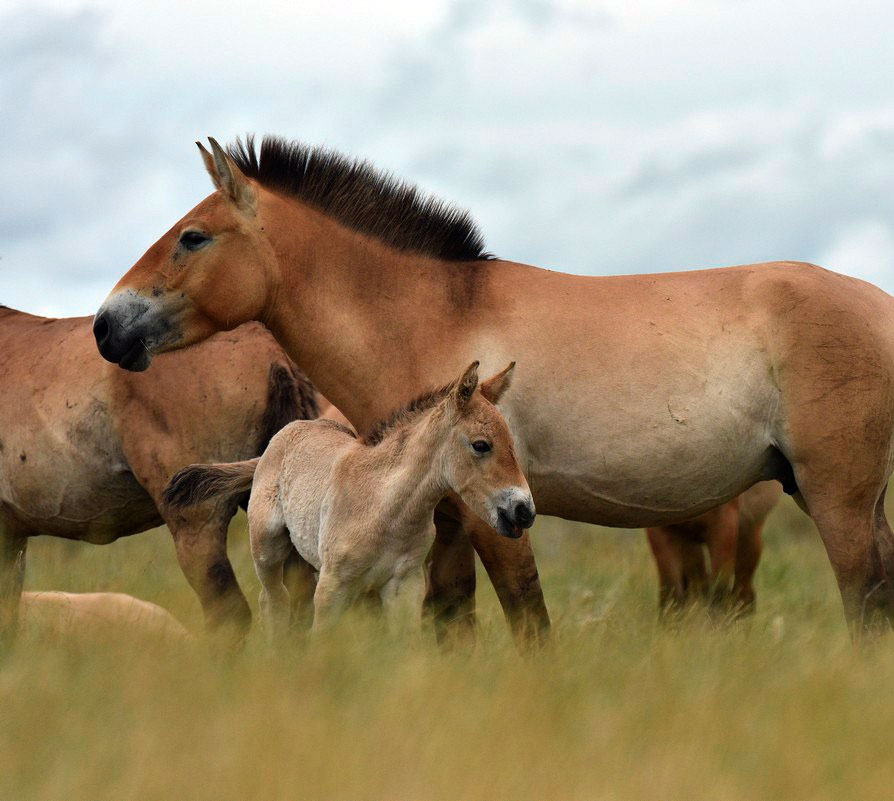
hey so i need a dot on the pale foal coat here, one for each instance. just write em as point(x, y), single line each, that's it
point(361, 513)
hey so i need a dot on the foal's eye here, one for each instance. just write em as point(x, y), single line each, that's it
point(480, 446)
point(193, 240)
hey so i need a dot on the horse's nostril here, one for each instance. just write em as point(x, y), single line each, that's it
point(524, 515)
point(101, 329)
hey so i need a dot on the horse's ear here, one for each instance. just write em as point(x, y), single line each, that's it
point(237, 187)
point(464, 388)
point(494, 387)
point(210, 166)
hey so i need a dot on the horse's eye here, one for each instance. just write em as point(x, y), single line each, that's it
point(193, 240)
point(480, 446)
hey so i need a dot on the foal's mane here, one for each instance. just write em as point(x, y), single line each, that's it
point(400, 417)
point(362, 197)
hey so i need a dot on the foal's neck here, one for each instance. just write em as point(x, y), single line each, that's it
point(369, 325)
point(413, 469)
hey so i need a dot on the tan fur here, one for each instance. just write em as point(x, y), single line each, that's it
point(86, 448)
point(731, 534)
point(363, 514)
point(639, 400)
point(86, 617)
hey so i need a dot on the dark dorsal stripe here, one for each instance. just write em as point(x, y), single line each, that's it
point(361, 197)
point(406, 413)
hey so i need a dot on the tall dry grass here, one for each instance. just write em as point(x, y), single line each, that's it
point(780, 707)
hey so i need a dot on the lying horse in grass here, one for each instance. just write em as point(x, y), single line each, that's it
point(640, 400)
point(361, 512)
point(85, 450)
point(731, 534)
point(87, 617)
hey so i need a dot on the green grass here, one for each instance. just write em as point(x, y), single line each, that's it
point(779, 707)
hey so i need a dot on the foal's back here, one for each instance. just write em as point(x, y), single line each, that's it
point(294, 478)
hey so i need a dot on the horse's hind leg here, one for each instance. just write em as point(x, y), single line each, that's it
point(200, 538)
point(748, 553)
point(12, 578)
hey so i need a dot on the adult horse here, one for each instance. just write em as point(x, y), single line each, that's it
point(86, 449)
point(639, 400)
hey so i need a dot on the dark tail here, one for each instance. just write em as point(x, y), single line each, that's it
point(201, 482)
point(290, 397)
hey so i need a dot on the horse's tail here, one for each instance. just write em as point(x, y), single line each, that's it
point(201, 482)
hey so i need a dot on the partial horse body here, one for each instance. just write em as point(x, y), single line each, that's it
point(731, 535)
point(640, 400)
point(84, 617)
point(361, 512)
point(86, 449)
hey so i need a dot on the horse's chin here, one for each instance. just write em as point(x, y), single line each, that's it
point(137, 358)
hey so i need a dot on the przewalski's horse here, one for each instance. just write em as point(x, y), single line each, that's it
point(640, 400)
point(361, 512)
point(86, 449)
point(731, 534)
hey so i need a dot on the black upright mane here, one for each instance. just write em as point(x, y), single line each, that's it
point(404, 414)
point(362, 197)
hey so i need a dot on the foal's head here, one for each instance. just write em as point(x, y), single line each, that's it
point(479, 455)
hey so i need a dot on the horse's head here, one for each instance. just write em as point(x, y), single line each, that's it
point(480, 460)
point(185, 286)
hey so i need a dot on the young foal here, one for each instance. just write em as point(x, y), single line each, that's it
point(361, 511)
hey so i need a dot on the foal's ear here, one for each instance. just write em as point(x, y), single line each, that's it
point(227, 176)
point(464, 388)
point(493, 388)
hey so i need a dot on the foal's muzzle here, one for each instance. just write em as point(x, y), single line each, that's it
point(515, 515)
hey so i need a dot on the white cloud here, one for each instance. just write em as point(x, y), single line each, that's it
point(612, 137)
point(864, 250)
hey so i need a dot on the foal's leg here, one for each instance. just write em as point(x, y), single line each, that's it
point(402, 599)
point(270, 548)
point(300, 580)
point(200, 539)
point(12, 578)
point(331, 598)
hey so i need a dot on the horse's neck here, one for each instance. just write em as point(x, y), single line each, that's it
point(369, 325)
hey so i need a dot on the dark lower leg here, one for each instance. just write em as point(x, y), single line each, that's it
point(301, 582)
point(450, 594)
point(202, 554)
point(511, 568)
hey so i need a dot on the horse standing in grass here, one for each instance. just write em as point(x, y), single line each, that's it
point(85, 449)
point(360, 512)
point(640, 400)
point(731, 535)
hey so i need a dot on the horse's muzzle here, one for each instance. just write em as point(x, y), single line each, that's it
point(121, 328)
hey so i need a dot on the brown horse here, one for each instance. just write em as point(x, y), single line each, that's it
point(639, 400)
point(731, 534)
point(85, 449)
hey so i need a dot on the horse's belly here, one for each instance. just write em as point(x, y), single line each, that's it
point(634, 461)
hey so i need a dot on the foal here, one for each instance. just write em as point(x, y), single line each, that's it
point(361, 511)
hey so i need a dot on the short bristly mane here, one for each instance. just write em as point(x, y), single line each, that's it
point(406, 413)
point(361, 197)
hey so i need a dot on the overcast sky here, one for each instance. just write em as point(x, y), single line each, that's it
point(598, 138)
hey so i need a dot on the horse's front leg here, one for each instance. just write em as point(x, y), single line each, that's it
point(200, 539)
point(12, 579)
point(512, 570)
point(450, 592)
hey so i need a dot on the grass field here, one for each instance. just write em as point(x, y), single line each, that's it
point(779, 707)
